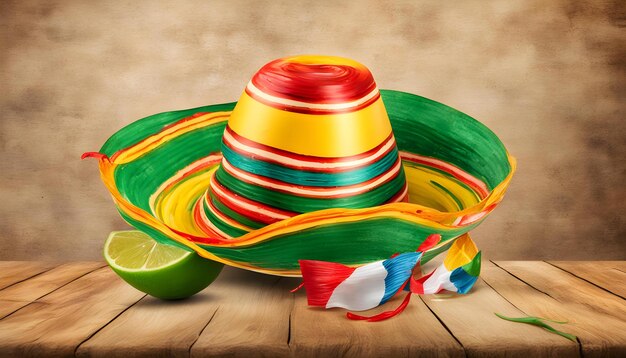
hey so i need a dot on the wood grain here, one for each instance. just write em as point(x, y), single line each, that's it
point(472, 321)
point(252, 319)
point(246, 314)
point(610, 275)
point(57, 323)
point(595, 330)
point(12, 272)
point(565, 287)
point(8, 307)
point(170, 328)
point(20, 294)
point(317, 332)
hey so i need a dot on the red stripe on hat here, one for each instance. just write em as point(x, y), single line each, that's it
point(228, 200)
point(171, 125)
point(476, 184)
point(312, 111)
point(401, 196)
point(306, 158)
point(214, 238)
point(314, 83)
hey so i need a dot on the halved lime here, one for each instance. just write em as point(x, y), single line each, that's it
point(160, 270)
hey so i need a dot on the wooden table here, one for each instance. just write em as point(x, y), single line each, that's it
point(84, 309)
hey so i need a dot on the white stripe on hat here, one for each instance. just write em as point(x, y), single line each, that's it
point(327, 106)
point(362, 290)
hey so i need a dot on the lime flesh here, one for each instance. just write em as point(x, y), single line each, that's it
point(160, 270)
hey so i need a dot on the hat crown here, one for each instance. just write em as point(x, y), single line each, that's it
point(308, 133)
point(315, 79)
point(321, 106)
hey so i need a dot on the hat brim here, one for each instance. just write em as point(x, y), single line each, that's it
point(457, 171)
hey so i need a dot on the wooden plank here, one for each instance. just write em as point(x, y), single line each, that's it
point(317, 332)
point(618, 265)
point(154, 327)
point(472, 321)
point(596, 331)
point(170, 328)
point(57, 323)
point(252, 319)
point(565, 287)
point(244, 314)
point(12, 272)
point(20, 294)
point(605, 274)
point(8, 307)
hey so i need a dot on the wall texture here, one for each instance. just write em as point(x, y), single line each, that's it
point(546, 76)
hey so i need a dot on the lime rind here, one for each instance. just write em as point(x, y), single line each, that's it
point(160, 270)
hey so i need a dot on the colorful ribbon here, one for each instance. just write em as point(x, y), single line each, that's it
point(330, 284)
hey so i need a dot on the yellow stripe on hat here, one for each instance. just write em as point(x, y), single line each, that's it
point(320, 135)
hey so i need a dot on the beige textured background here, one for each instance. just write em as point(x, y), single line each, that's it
point(547, 77)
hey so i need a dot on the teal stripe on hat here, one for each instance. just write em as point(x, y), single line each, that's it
point(301, 204)
point(310, 178)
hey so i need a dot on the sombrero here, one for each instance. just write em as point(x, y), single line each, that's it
point(313, 162)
